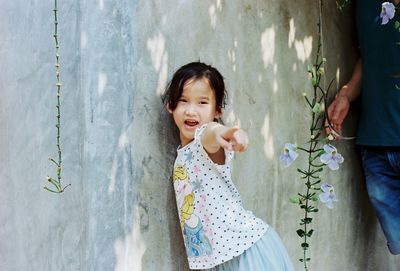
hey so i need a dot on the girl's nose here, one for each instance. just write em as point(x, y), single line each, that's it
point(189, 110)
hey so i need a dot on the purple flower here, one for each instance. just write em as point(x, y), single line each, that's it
point(387, 12)
point(331, 157)
point(328, 195)
point(289, 155)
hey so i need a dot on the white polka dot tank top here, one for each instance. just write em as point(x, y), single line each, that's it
point(214, 224)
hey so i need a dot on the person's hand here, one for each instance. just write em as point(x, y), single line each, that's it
point(337, 112)
point(233, 138)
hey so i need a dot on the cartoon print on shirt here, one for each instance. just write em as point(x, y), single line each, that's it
point(196, 242)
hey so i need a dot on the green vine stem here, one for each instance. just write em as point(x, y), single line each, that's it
point(56, 183)
point(311, 175)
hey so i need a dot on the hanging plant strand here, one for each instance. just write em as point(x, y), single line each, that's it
point(311, 175)
point(318, 150)
point(56, 183)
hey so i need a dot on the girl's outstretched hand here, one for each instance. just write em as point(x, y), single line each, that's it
point(232, 138)
point(217, 136)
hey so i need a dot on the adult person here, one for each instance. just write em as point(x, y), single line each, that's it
point(376, 81)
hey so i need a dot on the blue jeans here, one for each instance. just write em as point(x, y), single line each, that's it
point(382, 173)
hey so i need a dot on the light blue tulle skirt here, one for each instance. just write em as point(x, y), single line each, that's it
point(267, 254)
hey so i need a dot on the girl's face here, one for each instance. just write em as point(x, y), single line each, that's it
point(196, 106)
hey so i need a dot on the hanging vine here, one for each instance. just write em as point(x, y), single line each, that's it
point(318, 150)
point(57, 187)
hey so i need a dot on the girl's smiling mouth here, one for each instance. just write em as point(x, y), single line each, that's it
point(191, 123)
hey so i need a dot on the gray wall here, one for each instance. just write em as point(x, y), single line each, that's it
point(118, 141)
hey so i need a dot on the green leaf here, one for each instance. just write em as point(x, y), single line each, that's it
point(317, 170)
point(309, 233)
point(307, 220)
point(396, 24)
point(304, 245)
point(314, 198)
point(300, 232)
point(294, 199)
point(302, 171)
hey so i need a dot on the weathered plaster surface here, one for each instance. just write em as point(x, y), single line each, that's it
point(118, 141)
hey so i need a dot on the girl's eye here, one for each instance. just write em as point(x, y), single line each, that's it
point(182, 100)
point(203, 102)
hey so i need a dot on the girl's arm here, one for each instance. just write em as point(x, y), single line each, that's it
point(217, 137)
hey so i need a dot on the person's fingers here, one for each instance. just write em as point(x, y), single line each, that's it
point(241, 140)
point(224, 143)
point(337, 113)
point(238, 147)
point(229, 133)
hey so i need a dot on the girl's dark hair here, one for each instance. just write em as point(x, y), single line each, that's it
point(195, 70)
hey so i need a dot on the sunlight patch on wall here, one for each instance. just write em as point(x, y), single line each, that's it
point(231, 119)
point(83, 40)
point(101, 83)
point(123, 141)
point(159, 59)
point(219, 5)
point(275, 82)
point(268, 46)
point(101, 4)
point(212, 12)
point(275, 86)
point(337, 76)
point(130, 250)
point(292, 33)
point(232, 58)
point(213, 16)
point(303, 47)
point(111, 186)
point(156, 46)
point(268, 139)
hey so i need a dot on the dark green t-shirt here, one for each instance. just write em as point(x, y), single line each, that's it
point(379, 123)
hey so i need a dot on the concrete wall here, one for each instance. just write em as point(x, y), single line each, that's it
point(118, 142)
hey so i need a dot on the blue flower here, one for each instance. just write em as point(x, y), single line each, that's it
point(289, 155)
point(387, 12)
point(331, 157)
point(328, 196)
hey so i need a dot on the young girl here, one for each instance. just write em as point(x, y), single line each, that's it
point(218, 232)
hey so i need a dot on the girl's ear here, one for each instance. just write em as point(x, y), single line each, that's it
point(219, 113)
point(169, 108)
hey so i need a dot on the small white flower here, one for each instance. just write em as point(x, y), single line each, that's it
point(387, 12)
point(289, 155)
point(328, 196)
point(331, 157)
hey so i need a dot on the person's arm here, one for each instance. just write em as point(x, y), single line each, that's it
point(338, 109)
point(217, 137)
